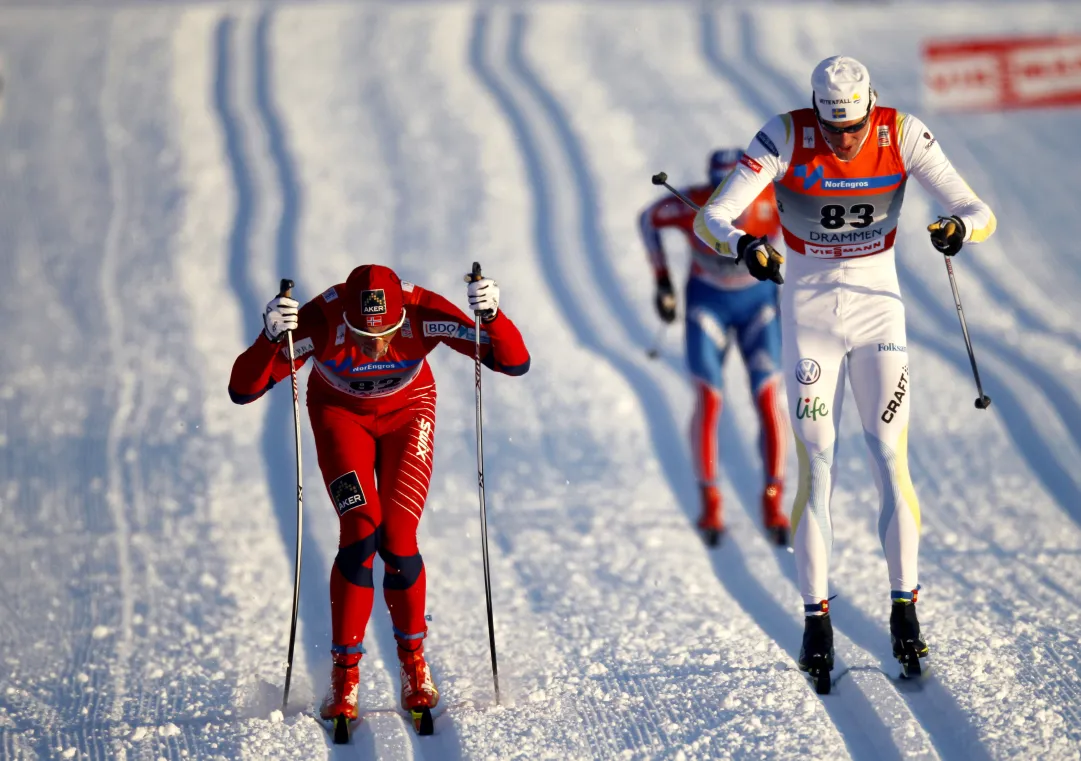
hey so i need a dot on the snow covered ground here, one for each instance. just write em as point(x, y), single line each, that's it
point(163, 165)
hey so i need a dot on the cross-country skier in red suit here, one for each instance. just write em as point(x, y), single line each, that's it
point(371, 401)
point(724, 303)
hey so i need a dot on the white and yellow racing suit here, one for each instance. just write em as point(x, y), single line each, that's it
point(841, 310)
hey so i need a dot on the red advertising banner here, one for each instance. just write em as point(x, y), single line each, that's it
point(994, 74)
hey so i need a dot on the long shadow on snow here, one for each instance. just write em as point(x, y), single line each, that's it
point(948, 725)
point(1027, 318)
point(857, 726)
point(277, 438)
point(1028, 439)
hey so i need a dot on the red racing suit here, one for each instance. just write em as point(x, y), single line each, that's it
point(374, 427)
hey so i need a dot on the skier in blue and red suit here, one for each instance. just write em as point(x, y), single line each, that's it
point(371, 402)
point(724, 302)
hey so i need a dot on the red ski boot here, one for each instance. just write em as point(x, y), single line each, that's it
point(344, 685)
point(418, 689)
point(419, 694)
point(711, 524)
point(776, 522)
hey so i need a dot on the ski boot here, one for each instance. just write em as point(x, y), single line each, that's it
point(710, 523)
point(773, 517)
point(419, 693)
point(816, 653)
point(908, 645)
point(340, 704)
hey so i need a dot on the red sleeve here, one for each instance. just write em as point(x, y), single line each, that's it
point(264, 363)
point(502, 348)
point(663, 213)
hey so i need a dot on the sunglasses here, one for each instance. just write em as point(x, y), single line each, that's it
point(849, 130)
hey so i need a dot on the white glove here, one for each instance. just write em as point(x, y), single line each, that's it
point(280, 315)
point(484, 298)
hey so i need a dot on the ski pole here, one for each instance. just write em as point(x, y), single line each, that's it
point(660, 178)
point(984, 401)
point(286, 288)
point(472, 278)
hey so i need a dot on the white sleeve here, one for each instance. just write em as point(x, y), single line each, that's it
point(765, 160)
point(924, 159)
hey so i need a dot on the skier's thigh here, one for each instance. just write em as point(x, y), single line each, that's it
point(814, 378)
point(346, 453)
point(405, 472)
point(706, 339)
point(880, 385)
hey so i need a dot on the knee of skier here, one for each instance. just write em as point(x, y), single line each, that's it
point(814, 484)
point(884, 460)
point(402, 572)
point(354, 561)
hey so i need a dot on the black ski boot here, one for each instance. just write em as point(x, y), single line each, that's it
point(816, 654)
point(908, 645)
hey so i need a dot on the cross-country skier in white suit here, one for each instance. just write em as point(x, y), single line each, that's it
point(839, 170)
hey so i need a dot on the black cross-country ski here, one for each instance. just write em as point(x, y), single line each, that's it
point(340, 729)
point(422, 719)
point(819, 676)
point(912, 662)
point(778, 535)
point(712, 536)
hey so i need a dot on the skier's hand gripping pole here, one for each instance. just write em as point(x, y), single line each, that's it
point(286, 288)
point(983, 401)
point(762, 260)
point(473, 277)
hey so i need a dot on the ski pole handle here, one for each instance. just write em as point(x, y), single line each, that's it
point(285, 288)
point(660, 178)
point(474, 276)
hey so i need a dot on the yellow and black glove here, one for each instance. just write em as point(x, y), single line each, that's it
point(947, 234)
point(763, 260)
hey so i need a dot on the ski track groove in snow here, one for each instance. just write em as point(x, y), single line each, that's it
point(278, 441)
point(250, 121)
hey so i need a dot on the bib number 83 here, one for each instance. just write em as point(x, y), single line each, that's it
point(833, 215)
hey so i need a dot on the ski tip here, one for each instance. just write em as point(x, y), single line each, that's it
point(911, 669)
point(778, 535)
point(341, 730)
point(712, 537)
point(423, 722)
point(823, 684)
point(820, 680)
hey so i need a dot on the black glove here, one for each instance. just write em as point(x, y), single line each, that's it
point(763, 260)
point(665, 300)
point(947, 234)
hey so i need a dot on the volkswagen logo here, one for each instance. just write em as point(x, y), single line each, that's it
point(808, 371)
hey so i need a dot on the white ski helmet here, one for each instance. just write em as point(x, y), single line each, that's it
point(841, 89)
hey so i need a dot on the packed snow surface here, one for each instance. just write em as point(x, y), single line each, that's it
point(162, 165)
